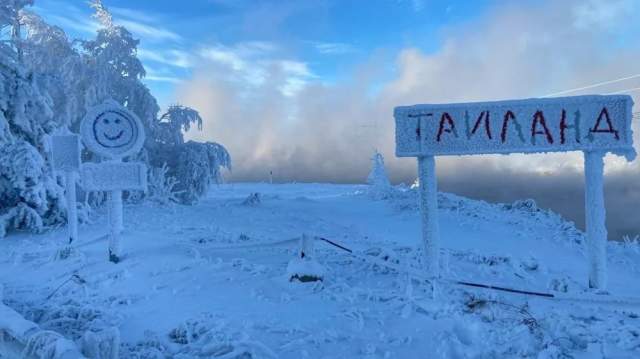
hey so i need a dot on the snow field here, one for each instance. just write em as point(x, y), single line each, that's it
point(210, 280)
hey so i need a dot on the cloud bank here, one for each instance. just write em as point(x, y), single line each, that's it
point(274, 115)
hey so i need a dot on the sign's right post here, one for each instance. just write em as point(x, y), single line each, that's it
point(595, 218)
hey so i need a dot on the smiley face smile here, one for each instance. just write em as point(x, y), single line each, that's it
point(113, 138)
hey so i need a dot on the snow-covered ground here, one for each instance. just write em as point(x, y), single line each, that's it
point(210, 280)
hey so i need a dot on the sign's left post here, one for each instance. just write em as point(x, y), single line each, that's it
point(65, 152)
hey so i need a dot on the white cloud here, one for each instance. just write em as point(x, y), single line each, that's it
point(131, 14)
point(334, 48)
point(77, 23)
point(172, 57)
point(604, 14)
point(169, 79)
point(150, 32)
point(252, 64)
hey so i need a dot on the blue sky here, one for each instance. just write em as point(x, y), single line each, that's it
point(320, 40)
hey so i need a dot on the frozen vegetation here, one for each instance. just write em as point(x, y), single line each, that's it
point(47, 84)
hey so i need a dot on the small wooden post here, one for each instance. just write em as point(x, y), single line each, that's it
point(595, 219)
point(429, 214)
point(72, 211)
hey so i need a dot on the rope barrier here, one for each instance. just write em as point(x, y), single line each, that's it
point(464, 283)
point(584, 297)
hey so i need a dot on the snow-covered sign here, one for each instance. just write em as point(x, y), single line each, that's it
point(593, 124)
point(111, 176)
point(65, 152)
point(585, 123)
point(112, 131)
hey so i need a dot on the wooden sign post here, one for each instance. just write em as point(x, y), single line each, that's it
point(114, 132)
point(593, 124)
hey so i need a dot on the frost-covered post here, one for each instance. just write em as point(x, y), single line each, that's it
point(429, 214)
point(65, 151)
point(72, 210)
point(113, 132)
point(594, 124)
point(595, 218)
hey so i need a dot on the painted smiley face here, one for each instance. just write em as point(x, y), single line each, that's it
point(113, 129)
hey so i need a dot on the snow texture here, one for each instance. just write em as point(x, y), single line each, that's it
point(584, 123)
point(304, 266)
point(428, 190)
point(17, 332)
point(595, 219)
point(72, 209)
point(101, 344)
point(65, 151)
point(377, 179)
point(112, 131)
point(108, 176)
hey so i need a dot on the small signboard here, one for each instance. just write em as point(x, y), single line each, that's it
point(584, 123)
point(65, 151)
point(593, 124)
point(116, 176)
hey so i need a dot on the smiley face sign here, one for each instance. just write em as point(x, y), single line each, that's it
point(112, 131)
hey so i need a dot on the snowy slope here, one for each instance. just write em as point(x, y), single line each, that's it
point(210, 280)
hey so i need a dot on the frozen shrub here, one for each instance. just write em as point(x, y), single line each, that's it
point(161, 186)
point(377, 179)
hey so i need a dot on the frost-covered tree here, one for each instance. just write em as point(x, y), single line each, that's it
point(377, 179)
point(47, 84)
point(177, 119)
point(195, 165)
point(378, 175)
point(58, 69)
point(30, 198)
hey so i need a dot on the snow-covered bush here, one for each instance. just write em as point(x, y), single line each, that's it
point(198, 167)
point(161, 186)
point(377, 179)
point(378, 175)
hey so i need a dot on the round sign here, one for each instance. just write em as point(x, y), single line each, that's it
point(111, 130)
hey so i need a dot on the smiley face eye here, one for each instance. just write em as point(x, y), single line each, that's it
point(117, 121)
point(105, 121)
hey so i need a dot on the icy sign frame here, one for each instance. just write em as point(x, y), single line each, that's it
point(594, 124)
point(584, 123)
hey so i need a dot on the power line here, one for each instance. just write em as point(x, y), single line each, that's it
point(593, 85)
point(622, 91)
